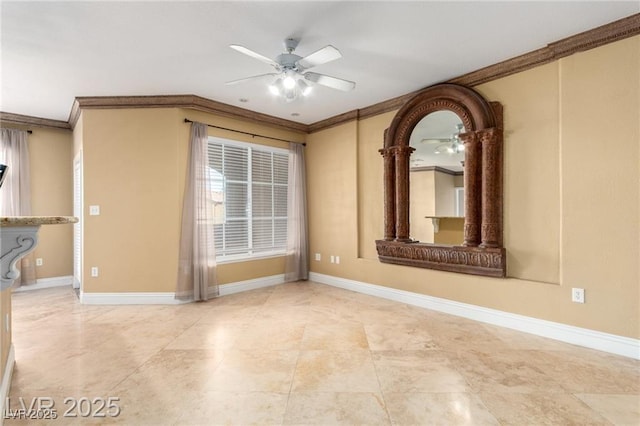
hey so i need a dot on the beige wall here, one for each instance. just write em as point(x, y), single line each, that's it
point(332, 197)
point(600, 187)
point(532, 119)
point(368, 187)
point(130, 171)
point(51, 155)
point(445, 194)
point(571, 199)
point(422, 187)
point(134, 165)
point(451, 231)
point(432, 193)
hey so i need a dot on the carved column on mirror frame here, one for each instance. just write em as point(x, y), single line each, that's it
point(389, 193)
point(492, 188)
point(402, 154)
point(472, 188)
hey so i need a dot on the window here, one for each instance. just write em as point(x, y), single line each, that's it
point(249, 197)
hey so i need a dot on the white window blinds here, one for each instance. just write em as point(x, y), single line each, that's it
point(249, 199)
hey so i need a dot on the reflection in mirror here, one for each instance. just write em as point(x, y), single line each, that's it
point(436, 142)
point(436, 179)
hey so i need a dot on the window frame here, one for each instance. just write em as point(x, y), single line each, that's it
point(251, 147)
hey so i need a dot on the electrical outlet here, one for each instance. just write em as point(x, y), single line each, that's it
point(577, 295)
point(338, 259)
point(39, 261)
point(318, 257)
point(333, 259)
point(94, 210)
point(94, 271)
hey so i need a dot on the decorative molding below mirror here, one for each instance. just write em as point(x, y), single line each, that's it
point(482, 252)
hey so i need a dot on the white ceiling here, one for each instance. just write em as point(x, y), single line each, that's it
point(54, 51)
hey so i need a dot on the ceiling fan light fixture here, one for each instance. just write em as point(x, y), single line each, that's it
point(276, 88)
point(290, 95)
point(289, 81)
point(453, 146)
point(305, 89)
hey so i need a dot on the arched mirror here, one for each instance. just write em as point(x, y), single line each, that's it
point(436, 183)
point(476, 144)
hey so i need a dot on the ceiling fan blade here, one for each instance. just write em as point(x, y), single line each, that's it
point(255, 55)
point(332, 82)
point(255, 77)
point(319, 57)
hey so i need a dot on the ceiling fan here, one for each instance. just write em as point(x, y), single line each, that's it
point(291, 74)
point(449, 146)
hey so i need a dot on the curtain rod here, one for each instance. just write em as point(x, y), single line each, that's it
point(28, 131)
point(186, 120)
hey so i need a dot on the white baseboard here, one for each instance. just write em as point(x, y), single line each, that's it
point(46, 283)
point(605, 342)
point(130, 298)
point(168, 298)
point(5, 387)
point(254, 284)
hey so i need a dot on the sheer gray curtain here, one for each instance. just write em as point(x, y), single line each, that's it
point(197, 262)
point(297, 261)
point(15, 194)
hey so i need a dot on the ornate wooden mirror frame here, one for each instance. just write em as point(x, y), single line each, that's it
point(482, 252)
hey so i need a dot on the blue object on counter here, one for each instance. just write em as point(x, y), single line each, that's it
point(3, 173)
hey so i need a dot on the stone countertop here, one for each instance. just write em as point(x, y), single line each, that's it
point(36, 220)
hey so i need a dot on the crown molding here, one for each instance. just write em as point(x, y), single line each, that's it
point(436, 169)
point(359, 114)
point(605, 34)
point(28, 121)
point(179, 101)
point(596, 37)
point(386, 106)
point(334, 121)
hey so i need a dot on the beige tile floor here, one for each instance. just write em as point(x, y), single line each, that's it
point(306, 353)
